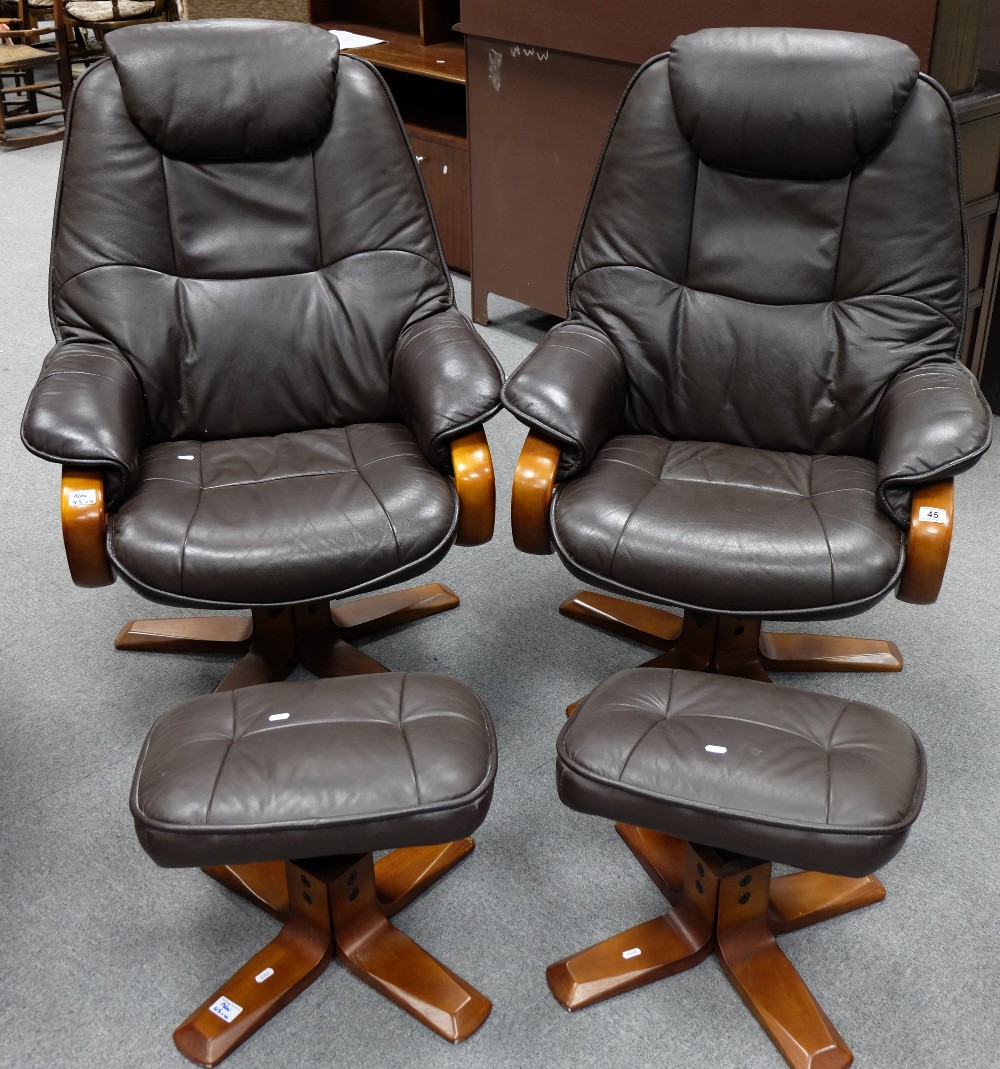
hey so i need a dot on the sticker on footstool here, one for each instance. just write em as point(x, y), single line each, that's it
point(226, 1009)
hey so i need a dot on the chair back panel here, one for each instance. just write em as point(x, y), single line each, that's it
point(251, 295)
point(766, 310)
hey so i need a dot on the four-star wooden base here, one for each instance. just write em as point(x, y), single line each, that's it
point(337, 907)
point(729, 645)
point(273, 641)
point(728, 904)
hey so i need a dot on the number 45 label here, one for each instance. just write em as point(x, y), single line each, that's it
point(931, 515)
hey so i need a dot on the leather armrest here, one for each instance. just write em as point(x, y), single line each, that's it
point(931, 519)
point(572, 390)
point(931, 423)
point(531, 494)
point(86, 410)
point(444, 382)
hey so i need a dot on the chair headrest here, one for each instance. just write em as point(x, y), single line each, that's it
point(227, 89)
point(788, 103)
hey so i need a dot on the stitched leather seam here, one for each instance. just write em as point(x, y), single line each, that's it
point(395, 538)
point(822, 526)
point(829, 746)
point(621, 533)
point(170, 223)
point(638, 741)
point(742, 719)
point(406, 741)
point(236, 279)
point(225, 758)
point(190, 524)
point(764, 304)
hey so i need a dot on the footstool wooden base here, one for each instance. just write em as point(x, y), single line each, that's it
point(333, 911)
point(324, 772)
point(698, 765)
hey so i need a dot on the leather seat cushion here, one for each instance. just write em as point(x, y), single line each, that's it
point(805, 779)
point(728, 528)
point(281, 520)
point(329, 766)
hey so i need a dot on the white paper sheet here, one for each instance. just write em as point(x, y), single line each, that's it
point(356, 40)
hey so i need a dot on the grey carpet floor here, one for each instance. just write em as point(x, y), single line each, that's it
point(103, 954)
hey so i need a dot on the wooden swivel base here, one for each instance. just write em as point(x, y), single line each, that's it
point(274, 641)
point(730, 645)
point(728, 904)
point(335, 908)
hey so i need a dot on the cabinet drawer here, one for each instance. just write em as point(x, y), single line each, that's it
point(444, 165)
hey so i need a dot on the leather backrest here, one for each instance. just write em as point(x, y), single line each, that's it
point(191, 98)
point(258, 294)
point(769, 243)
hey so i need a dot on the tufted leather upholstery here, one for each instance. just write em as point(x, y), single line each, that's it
point(804, 779)
point(245, 272)
point(311, 769)
point(772, 260)
point(650, 510)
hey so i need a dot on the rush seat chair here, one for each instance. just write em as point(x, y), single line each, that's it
point(755, 408)
point(261, 393)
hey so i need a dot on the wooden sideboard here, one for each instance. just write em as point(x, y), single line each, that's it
point(544, 81)
point(423, 62)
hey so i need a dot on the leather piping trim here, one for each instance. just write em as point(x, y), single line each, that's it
point(704, 808)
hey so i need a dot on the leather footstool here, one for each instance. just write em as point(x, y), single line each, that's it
point(251, 782)
point(715, 778)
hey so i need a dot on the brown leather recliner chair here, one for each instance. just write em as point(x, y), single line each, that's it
point(261, 384)
point(755, 410)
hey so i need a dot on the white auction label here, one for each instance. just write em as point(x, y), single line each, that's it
point(932, 515)
point(226, 1009)
point(265, 975)
point(633, 953)
point(79, 499)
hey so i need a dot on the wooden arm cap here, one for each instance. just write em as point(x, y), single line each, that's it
point(534, 483)
point(931, 516)
point(84, 525)
point(476, 487)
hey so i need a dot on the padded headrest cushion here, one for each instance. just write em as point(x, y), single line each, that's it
point(227, 89)
point(788, 103)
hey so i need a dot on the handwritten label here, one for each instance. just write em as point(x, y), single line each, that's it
point(541, 54)
point(226, 1009)
point(79, 499)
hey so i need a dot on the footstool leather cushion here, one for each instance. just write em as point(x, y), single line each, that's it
point(330, 766)
point(784, 775)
